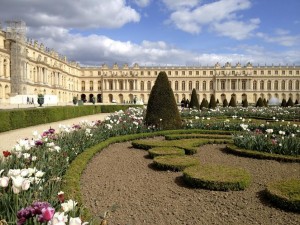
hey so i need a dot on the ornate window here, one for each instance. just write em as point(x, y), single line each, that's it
point(82, 85)
point(176, 85)
point(149, 85)
point(276, 85)
point(255, 85)
point(283, 85)
point(244, 84)
point(290, 85)
point(262, 85)
point(142, 85)
point(269, 85)
point(183, 85)
point(197, 86)
point(91, 85)
point(204, 86)
point(190, 85)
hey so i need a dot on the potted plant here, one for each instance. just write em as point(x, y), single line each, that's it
point(40, 99)
point(75, 100)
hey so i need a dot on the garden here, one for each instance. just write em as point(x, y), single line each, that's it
point(189, 166)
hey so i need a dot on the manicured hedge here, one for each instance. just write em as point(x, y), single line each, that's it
point(159, 151)
point(192, 136)
point(285, 194)
point(217, 177)
point(231, 148)
point(174, 162)
point(19, 118)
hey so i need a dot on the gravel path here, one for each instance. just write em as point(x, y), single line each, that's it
point(122, 181)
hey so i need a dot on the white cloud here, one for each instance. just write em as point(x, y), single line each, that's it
point(236, 29)
point(67, 13)
point(142, 3)
point(179, 4)
point(220, 16)
point(98, 49)
point(281, 37)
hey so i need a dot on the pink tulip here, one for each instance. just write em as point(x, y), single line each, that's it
point(47, 213)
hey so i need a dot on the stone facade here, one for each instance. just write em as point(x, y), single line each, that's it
point(44, 71)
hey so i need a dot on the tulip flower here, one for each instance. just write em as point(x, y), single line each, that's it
point(4, 181)
point(69, 205)
point(47, 214)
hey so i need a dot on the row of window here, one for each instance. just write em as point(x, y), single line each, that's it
point(211, 72)
point(233, 85)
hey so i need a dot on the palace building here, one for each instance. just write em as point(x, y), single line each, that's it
point(29, 68)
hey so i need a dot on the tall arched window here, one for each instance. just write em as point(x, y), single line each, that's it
point(149, 85)
point(297, 85)
point(276, 85)
point(283, 85)
point(183, 85)
point(190, 85)
point(211, 85)
point(204, 86)
point(99, 85)
point(91, 85)
point(262, 85)
point(290, 85)
point(269, 85)
point(121, 85)
point(82, 85)
point(142, 85)
point(197, 86)
point(176, 85)
point(255, 85)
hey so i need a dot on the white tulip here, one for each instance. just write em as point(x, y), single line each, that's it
point(24, 172)
point(69, 205)
point(25, 185)
point(17, 181)
point(58, 219)
point(39, 174)
point(4, 181)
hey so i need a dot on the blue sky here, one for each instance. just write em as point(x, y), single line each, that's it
point(163, 32)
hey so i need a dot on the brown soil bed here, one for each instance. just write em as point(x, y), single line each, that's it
point(121, 181)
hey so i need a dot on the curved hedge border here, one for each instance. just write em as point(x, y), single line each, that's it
point(231, 148)
point(190, 146)
point(217, 177)
point(174, 162)
point(191, 136)
point(285, 194)
point(159, 151)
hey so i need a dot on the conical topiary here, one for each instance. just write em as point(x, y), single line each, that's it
point(290, 102)
point(204, 103)
point(296, 102)
point(194, 104)
point(245, 103)
point(265, 103)
point(162, 109)
point(212, 102)
point(225, 103)
point(283, 103)
point(232, 102)
point(259, 102)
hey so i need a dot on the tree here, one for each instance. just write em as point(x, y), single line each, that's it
point(296, 102)
point(245, 103)
point(283, 103)
point(265, 103)
point(225, 103)
point(212, 102)
point(232, 102)
point(194, 100)
point(290, 102)
point(40, 99)
point(218, 101)
point(162, 109)
point(259, 102)
point(204, 104)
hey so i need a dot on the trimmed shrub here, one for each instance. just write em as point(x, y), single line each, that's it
point(265, 103)
point(217, 177)
point(245, 103)
point(162, 110)
point(225, 103)
point(194, 100)
point(285, 194)
point(232, 102)
point(296, 102)
point(290, 102)
point(5, 121)
point(174, 163)
point(192, 136)
point(159, 151)
point(283, 103)
point(212, 102)
point(204, 103)
point(259, 102)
